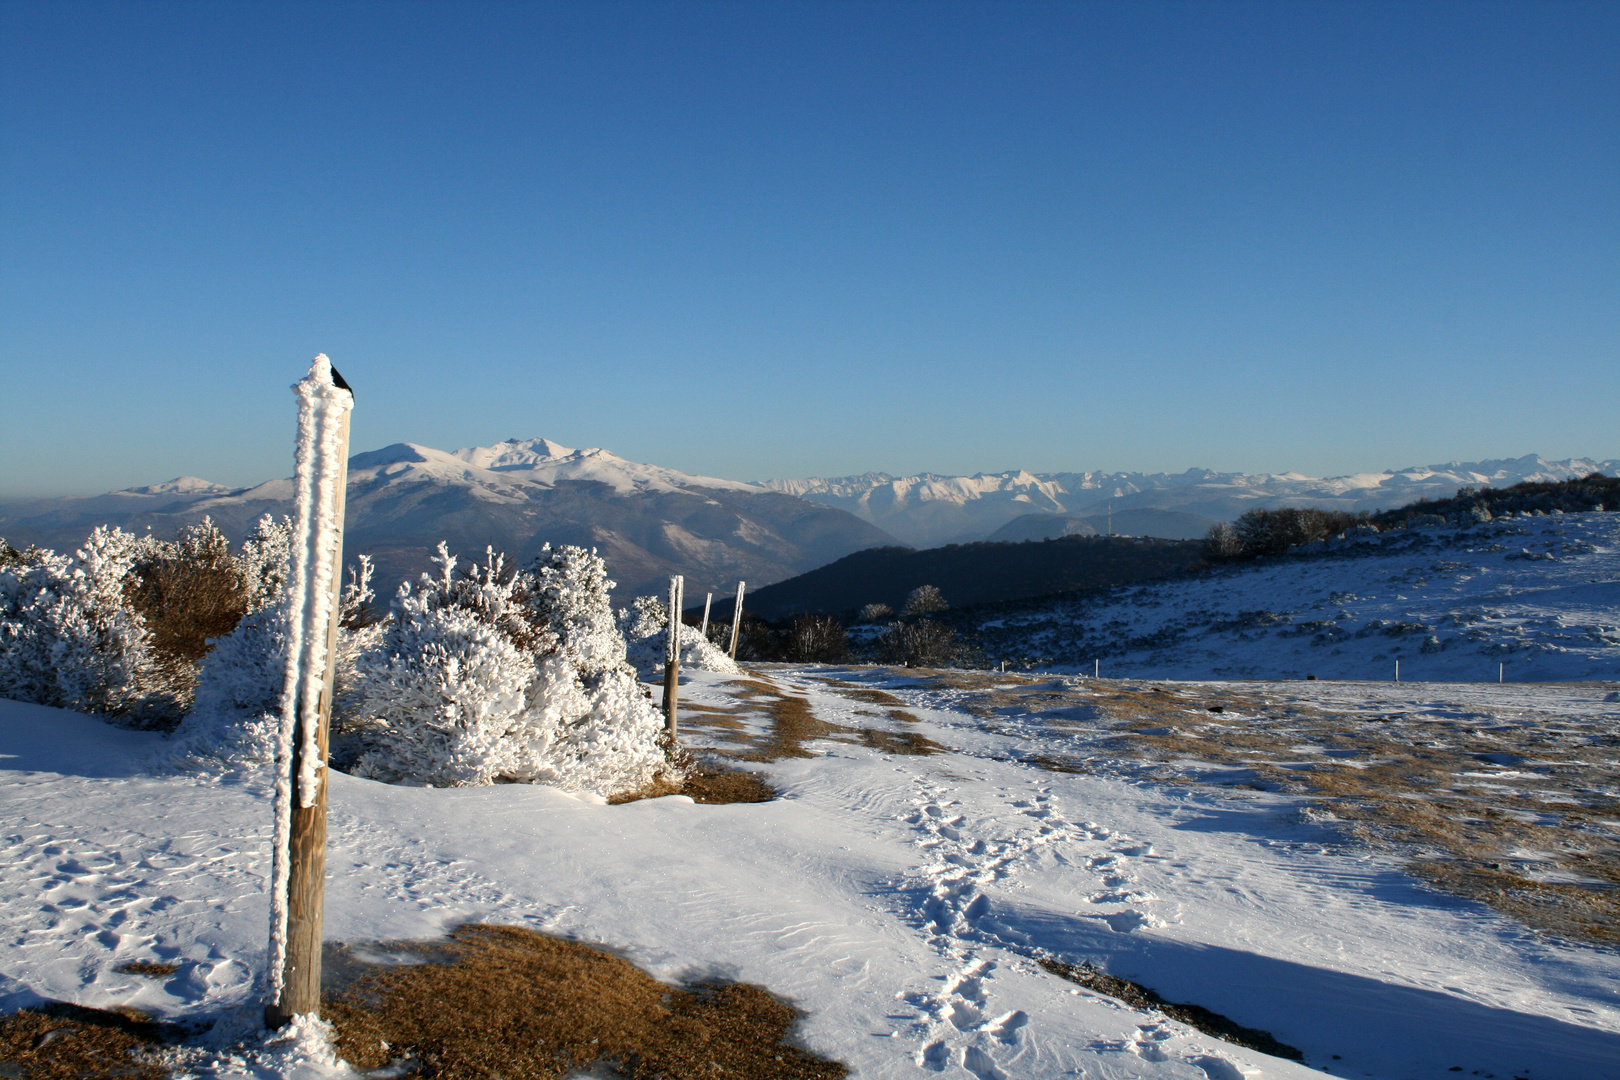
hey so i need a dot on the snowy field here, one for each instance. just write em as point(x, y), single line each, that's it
point(1540, 595)
point(900, 897)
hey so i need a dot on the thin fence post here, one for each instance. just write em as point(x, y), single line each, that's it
point(1501, 672)
point(314, 589)
point(1397, 671)
point(708, 598)
point(736, 619)
point(672, 657)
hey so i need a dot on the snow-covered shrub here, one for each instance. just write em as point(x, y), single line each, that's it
point(646, 624)
point(236, 715)
point(872, 613)
point(189, 592)
point(263, 560)
point(816, 639)
point(568, 590)
point(471, 684)
point(69, 636)
point(920, 643)
point(924, 599)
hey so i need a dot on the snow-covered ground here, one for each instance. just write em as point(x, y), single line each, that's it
point(1540, 595)
point(901, 900)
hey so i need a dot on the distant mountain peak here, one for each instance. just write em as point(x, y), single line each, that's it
point(518, 454)
point(180, 485)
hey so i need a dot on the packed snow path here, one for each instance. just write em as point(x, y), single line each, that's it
point(901, 900)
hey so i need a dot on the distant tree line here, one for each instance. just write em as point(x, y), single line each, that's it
point(1262, 532)
point(915, 639)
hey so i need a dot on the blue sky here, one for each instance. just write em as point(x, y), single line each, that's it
point(790, 239)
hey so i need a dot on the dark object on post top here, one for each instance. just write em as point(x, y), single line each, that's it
point(337, 381)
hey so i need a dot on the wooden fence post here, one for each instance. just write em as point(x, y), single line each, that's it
point(736, 619)
point(672, 656)
point(707, 600)
point(314, 589)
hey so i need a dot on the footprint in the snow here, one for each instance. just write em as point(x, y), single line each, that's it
point(1124, 922)
point(1218, 1068)
point(1121, 896)
point(935, 1057)
point(1006, 1028)
point(979, 1063)
point(965, 1016)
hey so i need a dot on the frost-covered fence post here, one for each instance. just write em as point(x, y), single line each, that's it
point(672, 656)
point(708, 598)
point(736, 619)
point(297, 882)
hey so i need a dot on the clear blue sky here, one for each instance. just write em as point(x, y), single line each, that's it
point(789, 239)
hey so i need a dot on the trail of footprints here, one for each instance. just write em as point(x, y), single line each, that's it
point(98, 907)
point(959, 1023)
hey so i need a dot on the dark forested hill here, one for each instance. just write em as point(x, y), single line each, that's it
point(969, 573)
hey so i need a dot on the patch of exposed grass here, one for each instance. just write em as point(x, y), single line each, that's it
point(1194, 1016)
point(1430, 785)
point(510, 1003)
point(1513, 806)
point(904, 742)
point(58, 1041)
point(704, 782)
point(146, 967)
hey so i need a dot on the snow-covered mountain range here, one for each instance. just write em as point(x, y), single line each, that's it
point(927, 509)
point(647, 521)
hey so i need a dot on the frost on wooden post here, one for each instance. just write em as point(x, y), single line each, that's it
point(672, 628)
point(319, 475)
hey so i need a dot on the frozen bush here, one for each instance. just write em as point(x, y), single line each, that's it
point(872, 613)
point(569, 591)
point(1221, 543)
point(236, 715)
point(816, 639)
point(263, 560)
point(189, 592)
point(646, 624)
point(922, 643)
point(924, 600)
point(471, 684)
point(69, 636)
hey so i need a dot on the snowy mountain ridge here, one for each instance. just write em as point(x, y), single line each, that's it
point(647, 521)
point(929, 509)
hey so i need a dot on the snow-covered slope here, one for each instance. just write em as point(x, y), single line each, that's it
point(648, 522)
point(899, 900)
point(1538, 594)
point(927, 510)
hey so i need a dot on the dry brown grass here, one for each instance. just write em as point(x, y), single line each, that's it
point(793, 723)
point(704, 782)
point(1538, 840)
point(507, 1002)
point(149, 968)
point(1512, 805)
point(58, 1041)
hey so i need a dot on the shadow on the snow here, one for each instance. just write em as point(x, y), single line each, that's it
point(1194, 1016)
point(1329, 1012)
